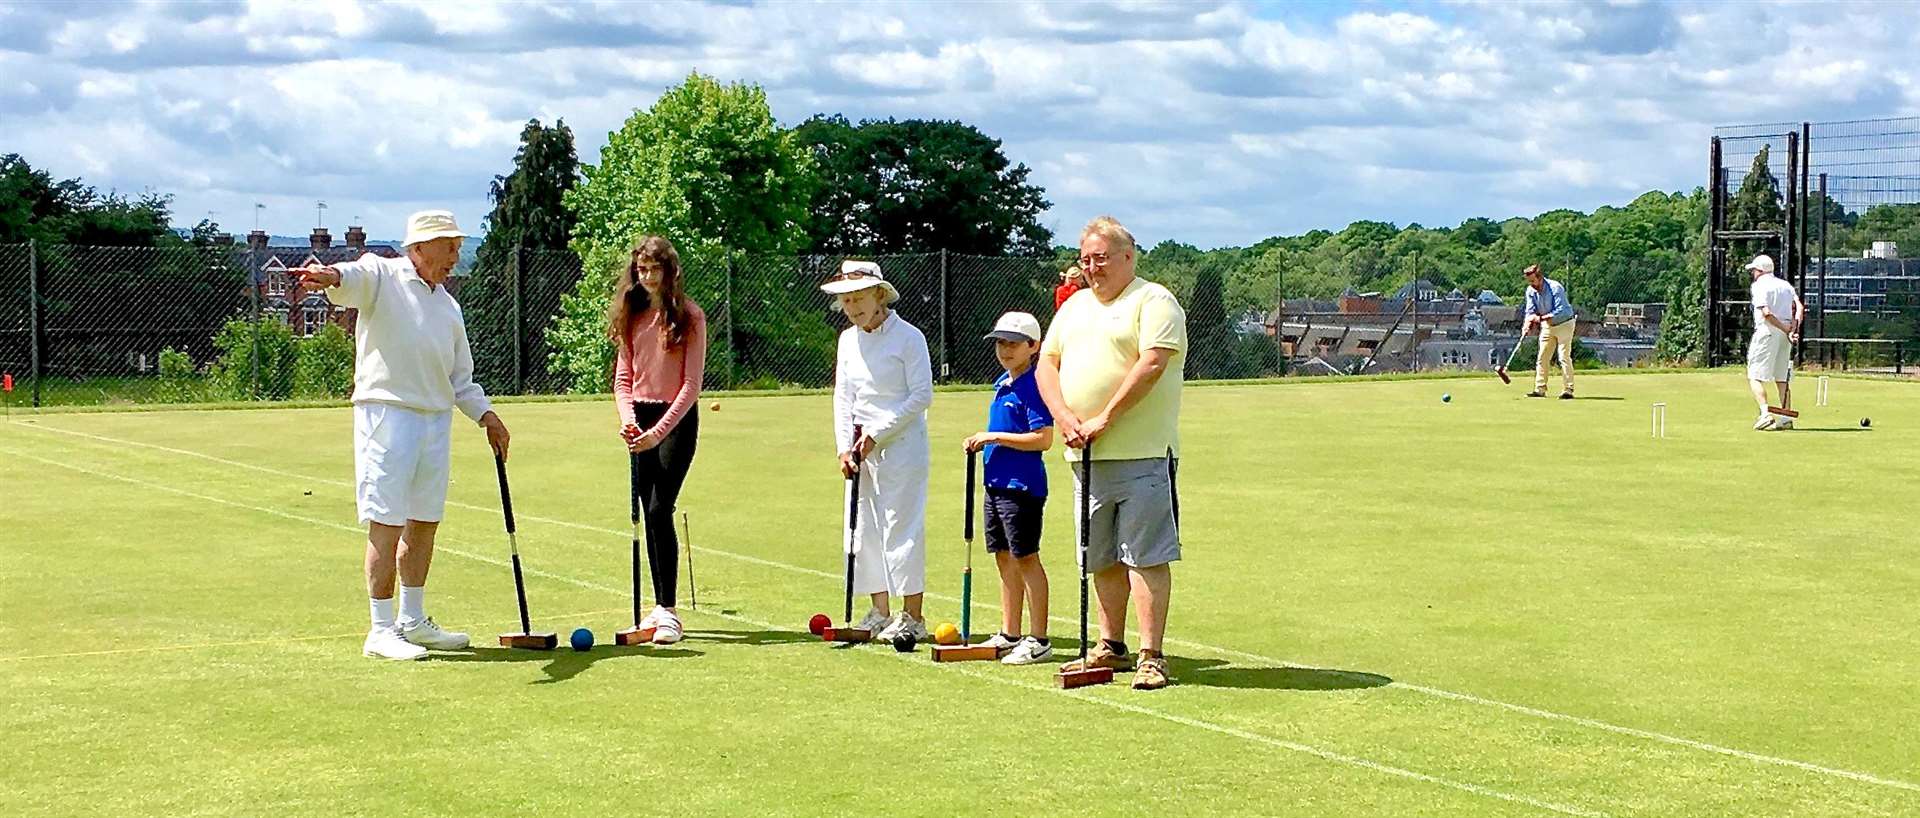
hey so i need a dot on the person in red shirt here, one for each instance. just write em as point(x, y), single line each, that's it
point(1070, 282)
point(660, 338)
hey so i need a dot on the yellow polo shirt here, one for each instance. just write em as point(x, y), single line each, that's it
point(1097, 344)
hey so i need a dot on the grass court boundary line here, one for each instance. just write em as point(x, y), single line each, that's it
point(1527, 710)
point(1245, 735)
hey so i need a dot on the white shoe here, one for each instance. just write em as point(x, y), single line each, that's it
point(917, 627)
point(666, 627)
point(1000, 642)
point(1765, 423)
point(653, 617)
point(1028, 651)
point(894, 627)
point(874, 622)
point(431, 636)
point(1783, 424)
point(386, 643)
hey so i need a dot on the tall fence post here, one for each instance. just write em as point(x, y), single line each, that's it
point(253, 296)
point(733, 341)
point(946, 361)
point(519, 325)
point(33, 317)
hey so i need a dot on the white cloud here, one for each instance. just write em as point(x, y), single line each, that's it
point(1210, 123)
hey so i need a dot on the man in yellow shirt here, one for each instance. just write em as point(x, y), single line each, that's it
point(1109, 372)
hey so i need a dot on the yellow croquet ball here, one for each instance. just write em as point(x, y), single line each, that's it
point(946, 634)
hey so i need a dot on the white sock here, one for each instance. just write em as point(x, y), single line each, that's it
point(382, 612)
point(413, 603)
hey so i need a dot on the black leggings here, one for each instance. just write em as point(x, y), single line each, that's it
point(657, 476)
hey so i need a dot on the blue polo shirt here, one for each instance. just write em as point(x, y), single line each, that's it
point(1016, 407)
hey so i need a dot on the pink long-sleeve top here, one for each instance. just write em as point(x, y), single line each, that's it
point(645, 370)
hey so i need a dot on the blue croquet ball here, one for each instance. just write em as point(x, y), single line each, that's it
point(1446, 397)
point(582, 639)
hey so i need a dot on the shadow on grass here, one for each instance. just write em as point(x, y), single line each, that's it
point(565, 663)
point(1597, 397)
point(753, 637)
point(1835, 429)
point(1217, 673)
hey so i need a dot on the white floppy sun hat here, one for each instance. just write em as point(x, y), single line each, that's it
point(428, 225)
point(859, 275)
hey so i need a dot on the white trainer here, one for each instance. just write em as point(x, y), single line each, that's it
point(917, 627)
point(874, 622)
point(895, 626)
point(1000, 642)
point(1783, 424)
point(666, 627)
point(1765, 423)
point(1028, 651)
point(431, 636)
point(386, 643)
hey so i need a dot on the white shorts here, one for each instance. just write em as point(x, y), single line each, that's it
point(401, 460)
point(1769, 356)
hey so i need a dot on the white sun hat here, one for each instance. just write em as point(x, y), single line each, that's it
point(1763, 263)
point(428, 225)
point(1016, 326)
point(859, 275)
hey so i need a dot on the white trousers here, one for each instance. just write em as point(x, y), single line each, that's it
point(890, 543)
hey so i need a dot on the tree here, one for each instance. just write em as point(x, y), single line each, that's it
point(918, 186)
point(1757, 205)
point(707, 167)
point(1210, 331)
point(33, 206)
point(528, 213)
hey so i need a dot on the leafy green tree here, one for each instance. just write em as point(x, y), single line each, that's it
point(709, 168)
point(918, 186)
point(528, 212)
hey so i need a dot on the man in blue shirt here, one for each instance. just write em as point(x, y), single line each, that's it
point(1019, 428)
point(1547, 307)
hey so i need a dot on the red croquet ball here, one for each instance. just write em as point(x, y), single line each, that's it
point(818, 624)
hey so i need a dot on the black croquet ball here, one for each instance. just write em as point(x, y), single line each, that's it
point(1866, 422)
point(904, 643)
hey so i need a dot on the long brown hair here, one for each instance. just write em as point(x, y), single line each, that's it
point(629, 298)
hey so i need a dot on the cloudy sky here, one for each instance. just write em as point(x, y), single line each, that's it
point(1211, 123)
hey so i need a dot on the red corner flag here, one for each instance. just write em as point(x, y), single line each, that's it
point(6, 382)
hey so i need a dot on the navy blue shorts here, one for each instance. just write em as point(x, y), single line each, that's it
point(1013, 521)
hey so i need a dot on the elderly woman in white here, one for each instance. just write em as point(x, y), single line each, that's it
point(412, 367)
point(883, 384)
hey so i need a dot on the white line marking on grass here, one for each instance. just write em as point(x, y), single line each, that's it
point(1328, 755)
point(249, 642)
point(1436, 692)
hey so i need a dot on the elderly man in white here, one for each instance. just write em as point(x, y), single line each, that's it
point(883, 384)
point(412, 368)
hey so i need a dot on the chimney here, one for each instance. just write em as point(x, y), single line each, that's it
point(356, 240)
point(321, 241)
point(257, 241)
point(223, 239)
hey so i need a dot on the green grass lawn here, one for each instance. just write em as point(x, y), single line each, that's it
point(1390, 606)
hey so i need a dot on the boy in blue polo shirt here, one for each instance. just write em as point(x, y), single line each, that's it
point(1019, 428)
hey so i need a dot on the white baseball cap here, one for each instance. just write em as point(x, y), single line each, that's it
point(428, 225)
point(859, 275)
point(1016, 326)
point(1763, 263)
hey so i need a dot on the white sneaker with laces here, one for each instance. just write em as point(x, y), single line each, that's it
point(1029, 651)
point(1765, 423)
point(652, 619)
point(386, 643)
point(1783, 424)
point(895, 626)
point(666, 627)
point(917, 627)
point(431, 636)
point(1000, 642)
point(874, 622)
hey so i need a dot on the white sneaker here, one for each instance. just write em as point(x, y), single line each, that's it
point(653, 617)
point(386, 643)
point(1783, 424)
point(1765, 423)
point(874, 622)
point(1000, 642)
point(1028, 651)
point(666, 627)
point(431, 636)
point(894, 627)
point(917, 627)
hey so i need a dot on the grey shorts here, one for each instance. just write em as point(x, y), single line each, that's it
point(1132, 514)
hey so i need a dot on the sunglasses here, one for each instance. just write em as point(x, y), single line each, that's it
point(849, 276)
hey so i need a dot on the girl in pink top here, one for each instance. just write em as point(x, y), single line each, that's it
point(660, 338)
